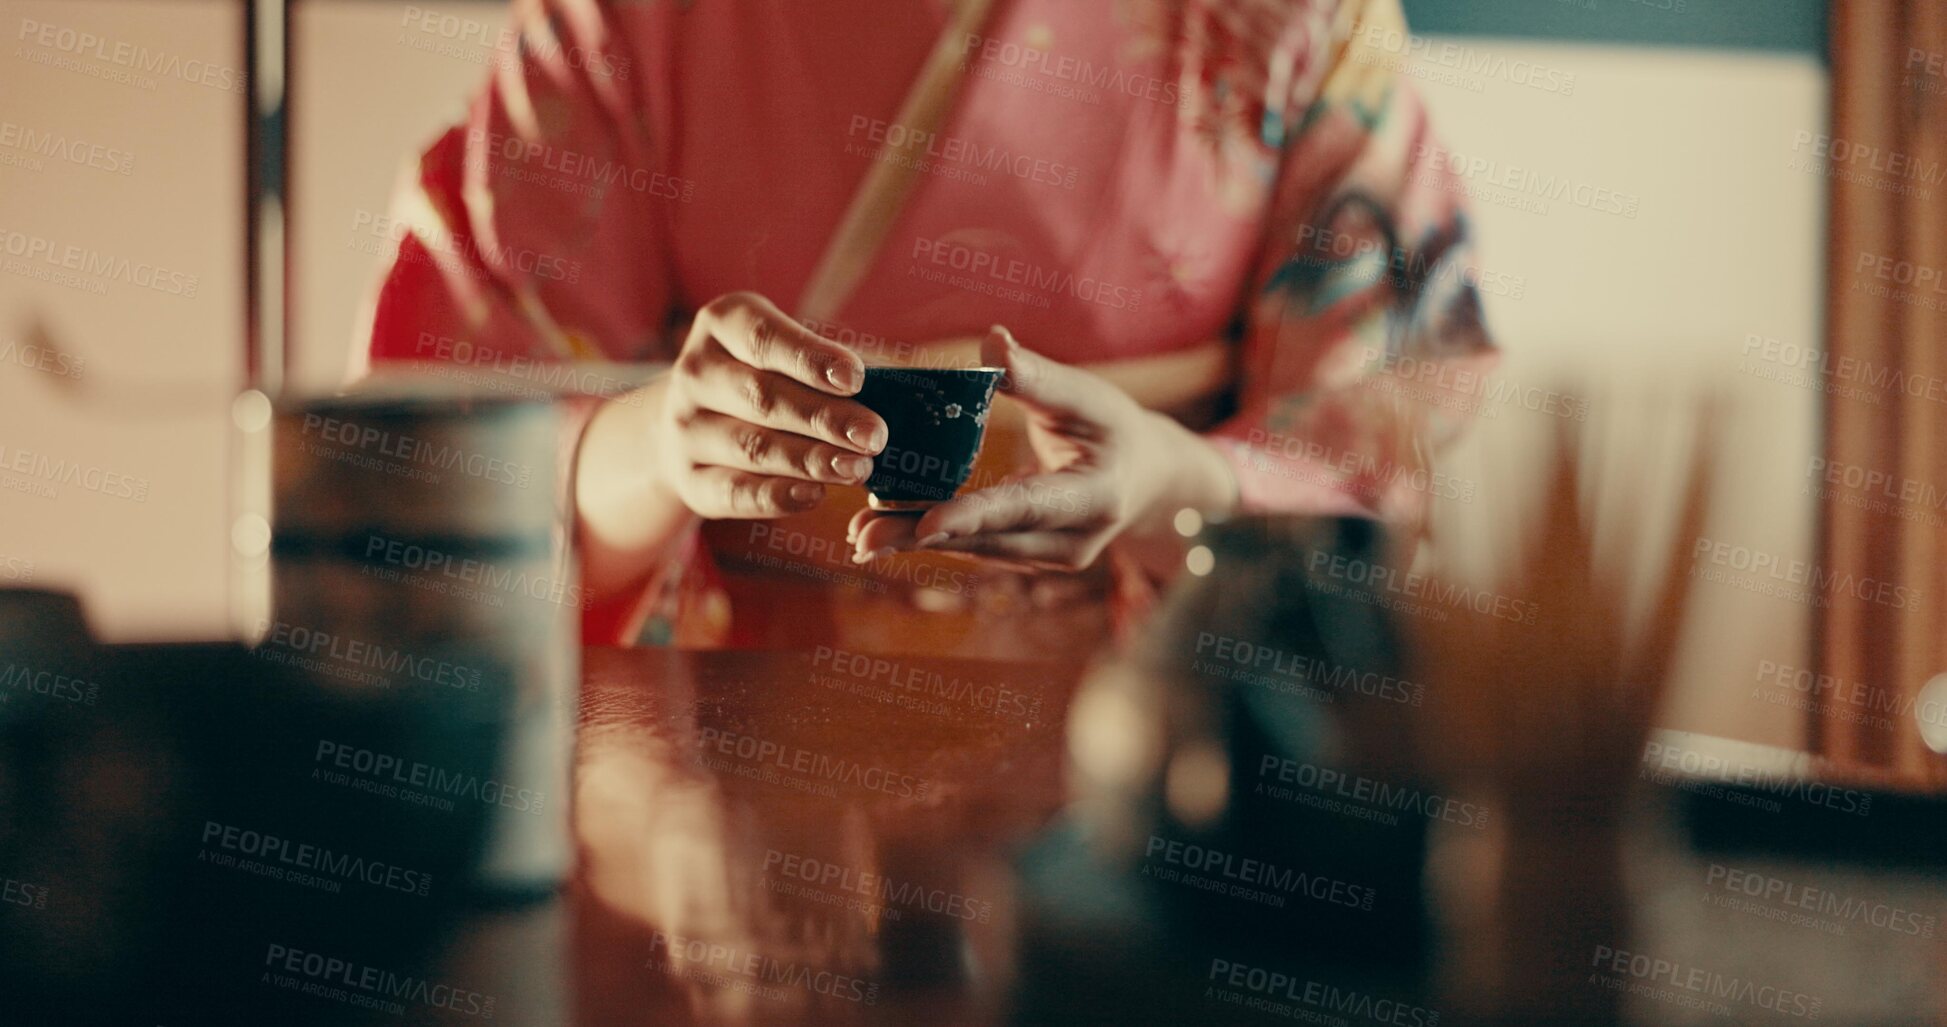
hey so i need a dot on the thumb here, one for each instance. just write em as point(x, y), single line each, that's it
point(1041, 383)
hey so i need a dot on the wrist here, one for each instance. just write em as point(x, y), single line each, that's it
point(1189, 472)
point(626, 508)
point(616, 464)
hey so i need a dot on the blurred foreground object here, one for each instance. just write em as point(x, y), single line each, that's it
point(1544, 717)
point(1248, 823)
point(170, 821)
point(421, 563)
point(1257, 786)
point(181, 819)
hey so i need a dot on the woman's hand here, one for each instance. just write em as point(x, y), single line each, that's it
point(1107, 466)
point(752, 420)
point(755, 417)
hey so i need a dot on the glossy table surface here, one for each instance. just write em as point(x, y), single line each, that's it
point(762, 840)
point(807, 837)
point(775, 837)
point(812, 836)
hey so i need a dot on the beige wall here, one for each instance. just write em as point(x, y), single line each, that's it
point(1649, 314)
point(150, 403)
point(364, 115)
point(156, 369)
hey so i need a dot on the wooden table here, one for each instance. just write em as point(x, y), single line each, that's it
point(809, 837)
point(762, 838)
point(785, 837)
point(688, 840)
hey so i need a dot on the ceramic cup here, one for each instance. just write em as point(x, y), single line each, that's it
point(936, 418)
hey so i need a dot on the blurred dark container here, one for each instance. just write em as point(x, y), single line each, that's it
point(420, 564)
point(51, 815)
point(1257, 663)
point(408, 710)
point(114, 762)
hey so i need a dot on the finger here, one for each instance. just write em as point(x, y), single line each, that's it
point(866, 515)
point(754, 331)
point(1062, 550)
point(723, 441)
point(883, 535)
point(719, 492)
point(859, 519)
point(727, 386)
point(1046, 385)
point(1038, 502)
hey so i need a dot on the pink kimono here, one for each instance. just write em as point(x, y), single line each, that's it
point(1112, 181)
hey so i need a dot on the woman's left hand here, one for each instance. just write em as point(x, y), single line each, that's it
point(1107, 466)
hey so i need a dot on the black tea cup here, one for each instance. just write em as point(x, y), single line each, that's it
point(936, 418)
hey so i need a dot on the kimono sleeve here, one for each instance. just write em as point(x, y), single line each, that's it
point(536, 230)
point(1364, 338)
point(535, 234)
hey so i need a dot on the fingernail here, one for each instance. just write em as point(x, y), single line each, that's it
point(935, 539)
point(804, 492)
point(852, 468)
point(866, 437)
point(845, 376)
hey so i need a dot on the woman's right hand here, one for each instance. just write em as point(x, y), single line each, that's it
point(756, 416)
